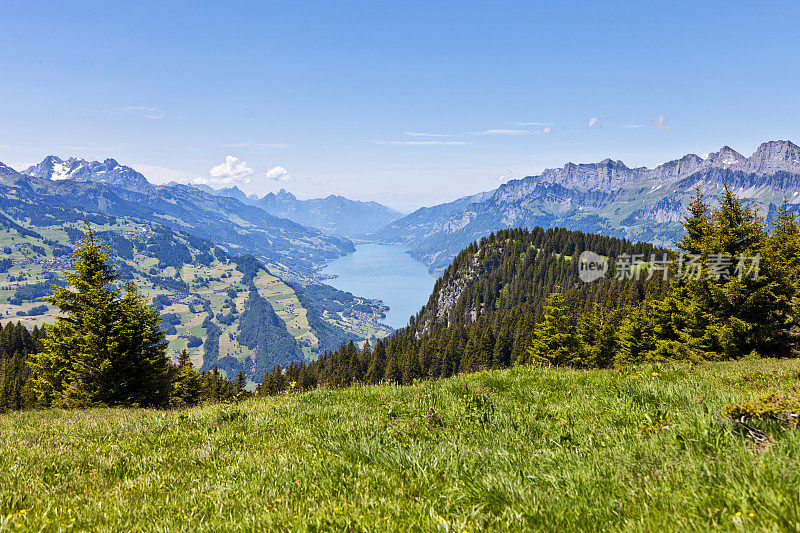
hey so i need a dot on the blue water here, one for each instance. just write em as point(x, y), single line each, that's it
point(386, 273)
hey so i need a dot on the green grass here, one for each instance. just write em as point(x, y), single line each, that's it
point(644, 449)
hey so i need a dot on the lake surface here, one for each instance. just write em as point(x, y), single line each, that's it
point(386, 273)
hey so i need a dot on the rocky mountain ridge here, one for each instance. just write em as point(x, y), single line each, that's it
point(66, 190)
point(333, 214)
point(608, 197)
point(109, 172)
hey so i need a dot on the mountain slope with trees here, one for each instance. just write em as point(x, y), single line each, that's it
point(516, 298)
point(201, 291)
point(485, 307)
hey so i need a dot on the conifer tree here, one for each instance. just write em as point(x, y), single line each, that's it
point(141, 369)
point(75, 368)
point(554, 340)
point(186, 387)
point(393, 373)
point(239, 384)
point(105, 349)
point(377, 364)
point(696, 225)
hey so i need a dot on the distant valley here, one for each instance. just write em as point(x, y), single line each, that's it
point(237, 287)
point(238, 278)
point(336, 215)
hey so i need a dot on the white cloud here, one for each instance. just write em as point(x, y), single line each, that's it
point(534, 124)
point(20, 148)
point(660, 123)
point(279, 174)
point(546, 130)
point(146, 111)
point(423, 143)
point(633, 126)
point(231, 171)
point(595, 122)
point(506, 132)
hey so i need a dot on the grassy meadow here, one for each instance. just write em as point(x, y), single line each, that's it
point(640, 449)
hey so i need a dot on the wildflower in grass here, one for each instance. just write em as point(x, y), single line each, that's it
point(655, 374)
point(751, 515)
point(738, 513)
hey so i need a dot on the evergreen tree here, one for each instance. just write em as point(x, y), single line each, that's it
point(141, 369)
point(377, 364)
point(105, 349)
point(239, 384)
point(75, 367)
point(554, 340)
point(696, 225)
point(186, 386)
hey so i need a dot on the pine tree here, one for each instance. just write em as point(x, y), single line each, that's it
point(636, 336)
point(781, 271)
point(697, 225)
point(142, 366)
point(105, 349)
point(75, 367)
point(393, 373)
point(554, 340)
point(597, 340)
point(239, 384)
point(186, 387)
point(377, 364)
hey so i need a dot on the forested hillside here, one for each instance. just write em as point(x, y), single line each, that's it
point(516, 298)
point(207, 298)
point(485, 307)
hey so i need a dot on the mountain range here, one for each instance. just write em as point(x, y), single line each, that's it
point(56, 189)
point(109, 172)
point(609, 198)
point(333, 214)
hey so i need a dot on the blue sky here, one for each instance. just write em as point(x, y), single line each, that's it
point(406, 103)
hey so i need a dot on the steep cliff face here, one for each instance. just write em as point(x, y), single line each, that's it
point(607, 197)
